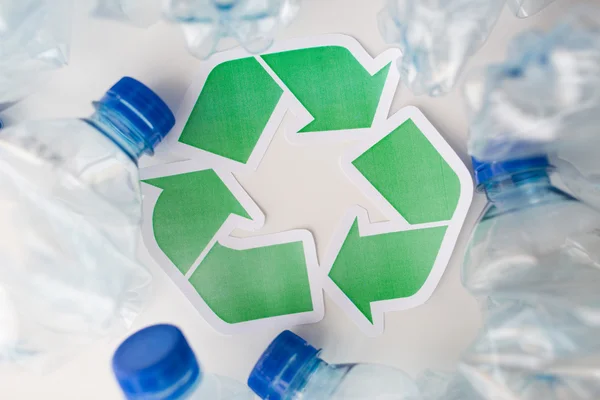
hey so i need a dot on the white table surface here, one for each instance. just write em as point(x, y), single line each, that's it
point(432, 335)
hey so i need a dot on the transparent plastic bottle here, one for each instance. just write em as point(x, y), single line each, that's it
point(544, 98)
point(437, 37)
point(140, 13)
point(253, 23)
point(70, 208)
point(534, 263)
point(290, 369)
point(157, 363)
point(34, 40)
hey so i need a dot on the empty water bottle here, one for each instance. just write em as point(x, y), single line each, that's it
point(534, 262)
point(290, 369)
point(157, 363)
point(34, 40)
point(545, 98)
point(437, 37)
point(70, 207)
point(253, 23)
point(141, 13)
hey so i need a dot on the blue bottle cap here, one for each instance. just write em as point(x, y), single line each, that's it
point(282, 362)
point(156, 363)
point(486, 171)
point(142, 108)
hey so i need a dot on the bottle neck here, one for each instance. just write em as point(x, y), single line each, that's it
point(518, 188)
point(317, 380)
point(122, 133)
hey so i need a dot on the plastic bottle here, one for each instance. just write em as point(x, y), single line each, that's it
point(252, 23)
point(34, 40)
point(157, 363)
point(534, 263)
point(140, 13)
point(290, 369)
point(70, 207)
point(437, 37)
point(544, 99)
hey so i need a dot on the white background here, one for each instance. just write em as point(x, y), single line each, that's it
point(293, 186)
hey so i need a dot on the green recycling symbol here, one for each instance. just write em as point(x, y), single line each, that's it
point(335, 91)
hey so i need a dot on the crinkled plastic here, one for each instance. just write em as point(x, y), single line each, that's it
point(70, 209)
point(546, 95)
point(527, 8)
point(141, 13)
point(534, 262)
point(253, 23)
point(437, 37)
point(34, 40)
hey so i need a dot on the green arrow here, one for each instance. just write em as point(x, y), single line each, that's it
point(331, 84)
point(384, 267)
point(232, 110)
point(422, 187)
point(246, 285)
point(188, 213)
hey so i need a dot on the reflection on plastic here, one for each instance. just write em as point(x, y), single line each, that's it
point(544, 99)
point(534, 264)
point(437, 37)
point(34, 40)
point(70, 207)
point(252, 23)
point(544, 96)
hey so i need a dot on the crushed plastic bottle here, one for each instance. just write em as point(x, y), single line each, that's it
point(140, 13)
point(70, 207)
point(546, 98)
point(534, 263)
point(252, 23)
point(290, 369)
point(437, 37)
point(157, 363)
point(34, 40)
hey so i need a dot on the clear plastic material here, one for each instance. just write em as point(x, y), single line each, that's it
point(217, 387)
point(434, 385)
point(544, 99)
point(357, 381)
point(141, 13)
point(527, 8)
point(534, 263)
point(34, 40)
point(547, 93)
point(290, 369)
point(253, 23)
point(70, 212)
point(436, 38)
